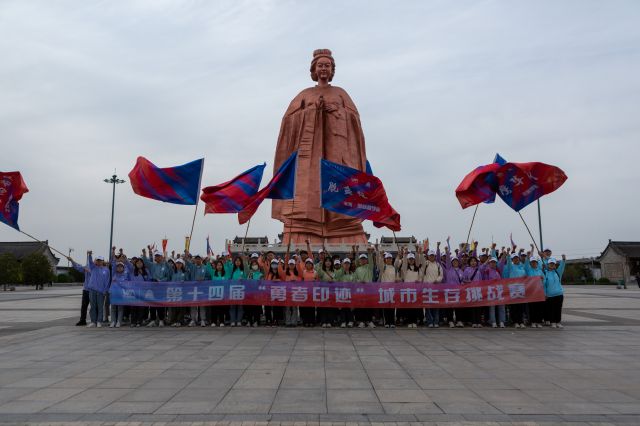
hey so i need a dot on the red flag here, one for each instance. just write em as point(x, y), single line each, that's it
point(520, 184)
point(12, 188)
point(478, 186)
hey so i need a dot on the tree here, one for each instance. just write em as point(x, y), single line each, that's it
point(76, 276)
point(9, 269)
point(36, 270)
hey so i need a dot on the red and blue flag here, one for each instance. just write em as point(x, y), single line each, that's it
point(281, 187)
point(177, 185)
point(12, 188)
point(520, 184)
point(355, 193)
point(233, 196)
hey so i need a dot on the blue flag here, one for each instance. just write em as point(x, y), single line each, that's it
point(177, 185)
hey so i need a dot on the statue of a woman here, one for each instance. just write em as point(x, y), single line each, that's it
point(321, 122)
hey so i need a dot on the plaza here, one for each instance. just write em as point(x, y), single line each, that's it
point(52, 371)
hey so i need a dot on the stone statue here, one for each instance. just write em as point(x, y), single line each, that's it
point(321, 122)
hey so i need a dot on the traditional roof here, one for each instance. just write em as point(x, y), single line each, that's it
point(399, 240)
point(624, 248)
point(251, 240)
point(22, 249)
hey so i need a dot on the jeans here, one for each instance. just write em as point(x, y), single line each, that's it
point(85, 305)
point(554, 305)
point(291, 315)
point(117, 312)
point(235, 313)
point(492, 314)
point(199, 309)
point(433, 316)
point(96, 299)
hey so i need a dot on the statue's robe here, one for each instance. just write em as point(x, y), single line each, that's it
point(316, 133)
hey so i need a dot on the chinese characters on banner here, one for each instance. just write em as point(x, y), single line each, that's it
point(322, 294)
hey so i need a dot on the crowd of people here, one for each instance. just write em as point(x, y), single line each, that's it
point(461, 266)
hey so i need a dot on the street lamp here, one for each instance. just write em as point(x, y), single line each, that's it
point(69, 261)
point(114, 180)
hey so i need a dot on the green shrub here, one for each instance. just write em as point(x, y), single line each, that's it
point(604, 280)
point(63, 278)
point(36, 269)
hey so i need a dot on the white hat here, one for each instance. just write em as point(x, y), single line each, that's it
point(388, 255)
point(274, 261)
point(346, 260)
point(157, 253)
point(363, 256)
point(255, 255)
point(514, 255)
point(308, 260)
point(431, 252)
point(180, 261)
point(99, 258)
point(411, 256)
point(493, 259)
point(336, 262)
point(552, 260)
point(321, 251)
point(534, 259)
point(281, 261)
point(291, 262)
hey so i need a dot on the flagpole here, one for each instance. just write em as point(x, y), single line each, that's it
point(46, 244)
point(470, 227)
point(193, 223)
point(528, 230)
point(245, 235)
point(293, 202)
point(540, 224)
point(395, 241)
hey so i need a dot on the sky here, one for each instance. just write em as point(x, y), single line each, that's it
point(441, 86)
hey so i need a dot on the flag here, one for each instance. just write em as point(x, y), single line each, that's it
point(12, 188)
point(177, 185)
point(209, 251)
point(369, 169)
point(354, 193)
point(496, 160)
point(232, 196)
point(165, 241)
point(478, 186)
point(281, 187)
point(520, 184)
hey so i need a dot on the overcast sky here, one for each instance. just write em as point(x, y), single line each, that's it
point(441, 86)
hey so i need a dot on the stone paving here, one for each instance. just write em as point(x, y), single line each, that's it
point(51, 371)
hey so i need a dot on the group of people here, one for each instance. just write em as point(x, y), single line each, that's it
point(461, 267)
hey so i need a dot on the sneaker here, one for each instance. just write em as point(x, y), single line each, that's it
point(161, 324)
point(501, 325)
point(494, 325)
point(221, 325)
point(81, 323)
point(350, 324)
point(547, 323)
point(559, 325)
point(118, 324)
point(474, 326)
point(213, 324)
point(430, 325)
point(386, 326)
point(451, 324)
point(516, 325)
point(323, 325)
point(460, 324)
point(255, 324)
point(436, 325)
point(91, 325)
point(480, 326)
point(371, 324)
point(203, 324)
point(99, 325)
point(343, 325)
point(393, 326)
point(554, 325)
point(360, 324)
point(113, 324)
point(522, 325)
point(328, 325)
point(192, 323)
point(151, 324)
point(233, 324)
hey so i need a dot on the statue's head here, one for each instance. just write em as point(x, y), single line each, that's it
point(322, 58)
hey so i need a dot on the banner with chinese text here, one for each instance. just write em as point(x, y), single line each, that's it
point(323, 294)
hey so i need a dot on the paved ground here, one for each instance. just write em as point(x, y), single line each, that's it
point(51, 371)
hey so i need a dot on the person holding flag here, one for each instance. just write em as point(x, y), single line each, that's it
point(98, 287)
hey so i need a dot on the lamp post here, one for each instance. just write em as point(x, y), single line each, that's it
point(114, 180)
point(68, 261)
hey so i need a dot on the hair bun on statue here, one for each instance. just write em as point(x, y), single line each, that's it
point(321, 52)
